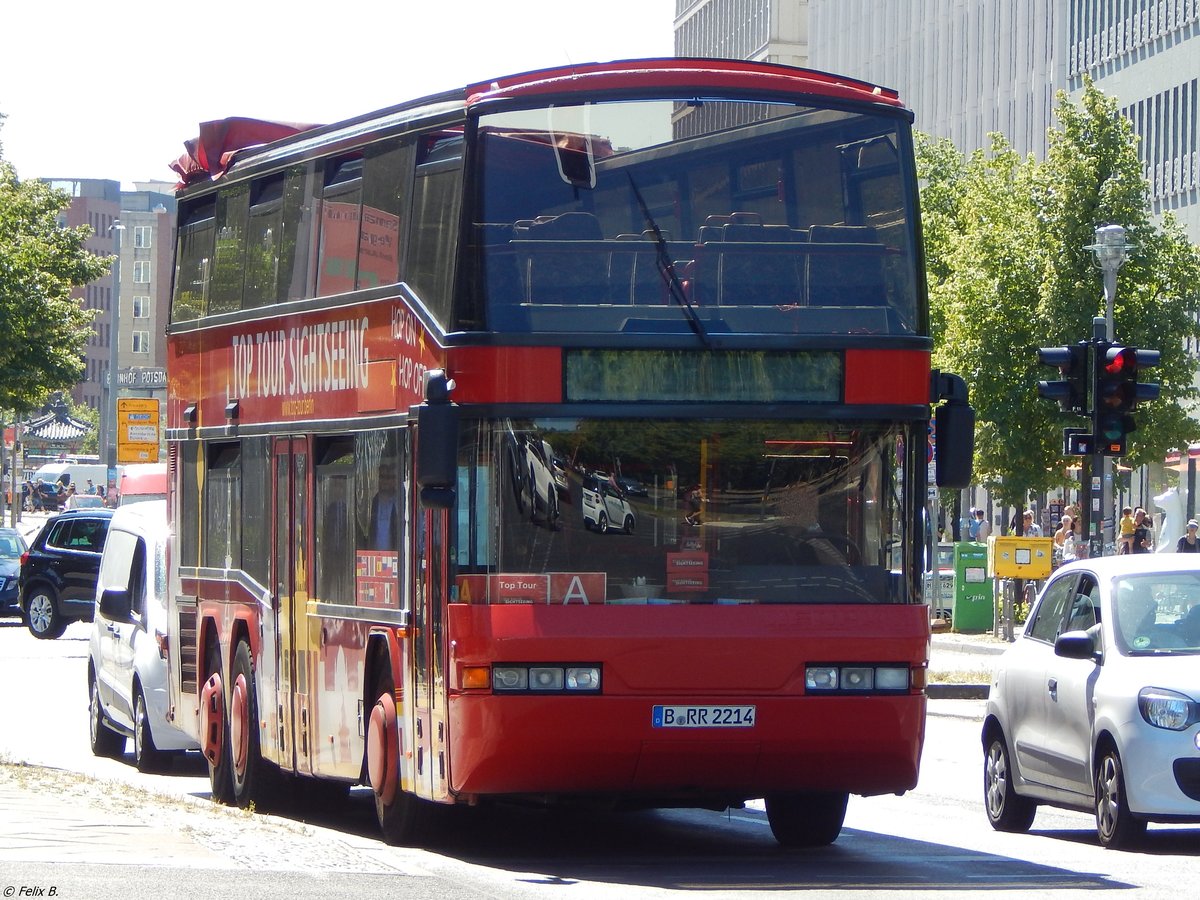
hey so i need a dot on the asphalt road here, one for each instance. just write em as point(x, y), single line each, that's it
point(113, 832)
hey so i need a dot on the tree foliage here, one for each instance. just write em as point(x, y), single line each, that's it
point(45, 328)
point(1005, 240)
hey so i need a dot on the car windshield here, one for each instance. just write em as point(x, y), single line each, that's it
point(1157, 614)
point(12, 545)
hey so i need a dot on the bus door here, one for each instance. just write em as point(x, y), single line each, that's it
point(429, 703)
point(290, 574)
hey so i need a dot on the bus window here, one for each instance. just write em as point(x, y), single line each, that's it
point(337, 256)
point(768, 219)
point(333, 528)
point(297, 224)
point(223, 506)
point(433, 233)
point(379, 518)
point(264, 238)
point(197, 232)
point(256, 501)
point(188, 523)
point(233, 207)
point(386, 175)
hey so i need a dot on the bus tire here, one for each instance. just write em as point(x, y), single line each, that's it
point(251, 775)
point(806, 820)
point(220, 775)
point(403, 818)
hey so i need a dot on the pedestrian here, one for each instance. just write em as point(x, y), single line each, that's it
point(1127, 529)
point(983, 528)
point(1032, 529)
point(1189, 543)
point(1064, 538)
point(1142, 523)
point(91, 488)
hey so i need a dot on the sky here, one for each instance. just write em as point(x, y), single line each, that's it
point(112, 90)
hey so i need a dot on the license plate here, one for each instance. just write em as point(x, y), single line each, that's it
point(703, 716)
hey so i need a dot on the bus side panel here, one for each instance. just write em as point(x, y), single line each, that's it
point(687, 656)
point(340, 659)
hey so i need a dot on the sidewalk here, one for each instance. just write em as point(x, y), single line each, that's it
point(961, 665)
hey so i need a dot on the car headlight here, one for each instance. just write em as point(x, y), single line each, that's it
point(1167, 709)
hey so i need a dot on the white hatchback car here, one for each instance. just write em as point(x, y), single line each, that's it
point(127, 668)
point(1095, 706)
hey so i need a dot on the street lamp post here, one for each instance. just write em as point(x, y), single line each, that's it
point(1111, 251)
point(114, 341)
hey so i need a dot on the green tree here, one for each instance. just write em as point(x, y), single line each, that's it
point(45, 328)
point(1008, 273)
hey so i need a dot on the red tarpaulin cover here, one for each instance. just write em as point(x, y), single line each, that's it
point(210, 154)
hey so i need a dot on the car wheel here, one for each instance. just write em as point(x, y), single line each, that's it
point(42, 615)
point(1006, 810)
point(806, 820)
point(1116, 826)
point(602, 523)
point(403, 818)
point(105, 742)
point(629, 524)
point(146, 756)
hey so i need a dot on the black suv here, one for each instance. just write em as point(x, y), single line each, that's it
point(59, 571)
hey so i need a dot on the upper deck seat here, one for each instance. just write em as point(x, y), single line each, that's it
point(851, 276)
point(556, 271)
point(735, 265)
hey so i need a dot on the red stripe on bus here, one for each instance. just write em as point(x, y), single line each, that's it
point(506, 374)
point(743, 75)
point(887, 376)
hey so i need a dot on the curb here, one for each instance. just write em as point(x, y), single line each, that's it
point(957, 691)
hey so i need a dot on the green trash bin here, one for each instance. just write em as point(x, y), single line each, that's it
point(973, 603)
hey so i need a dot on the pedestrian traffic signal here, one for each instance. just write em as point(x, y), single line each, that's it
point(1071, 392)
point(1116, 394)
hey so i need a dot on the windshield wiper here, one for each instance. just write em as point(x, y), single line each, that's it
point(666, 268)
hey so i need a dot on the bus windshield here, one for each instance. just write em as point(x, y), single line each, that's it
point(711, 215)
point(689, 511)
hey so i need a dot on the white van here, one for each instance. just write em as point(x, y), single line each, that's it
point(78, 474)
point(127, 674)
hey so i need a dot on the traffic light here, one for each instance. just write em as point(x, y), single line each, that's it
point(1072, 363)
point(1116, 394)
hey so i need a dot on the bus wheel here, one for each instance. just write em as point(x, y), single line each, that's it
point(806, 820)
point(250, 773)
point(214, 733)
point(402, 817)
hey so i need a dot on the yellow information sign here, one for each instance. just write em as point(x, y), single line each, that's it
point(137, 430)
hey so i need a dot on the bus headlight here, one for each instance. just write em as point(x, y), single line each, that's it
point(546, 679)
point(510, 678)
point(571, 678)
point(583, 678)
point(856, 678)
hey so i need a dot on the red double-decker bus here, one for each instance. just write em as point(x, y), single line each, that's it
point(561, 439)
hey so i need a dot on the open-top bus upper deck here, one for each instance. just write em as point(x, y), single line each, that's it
point(662, 201)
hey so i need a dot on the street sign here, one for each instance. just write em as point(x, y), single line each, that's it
point(137, 430)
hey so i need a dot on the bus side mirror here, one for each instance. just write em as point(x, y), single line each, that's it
point(437, 442)
point(955, 433)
